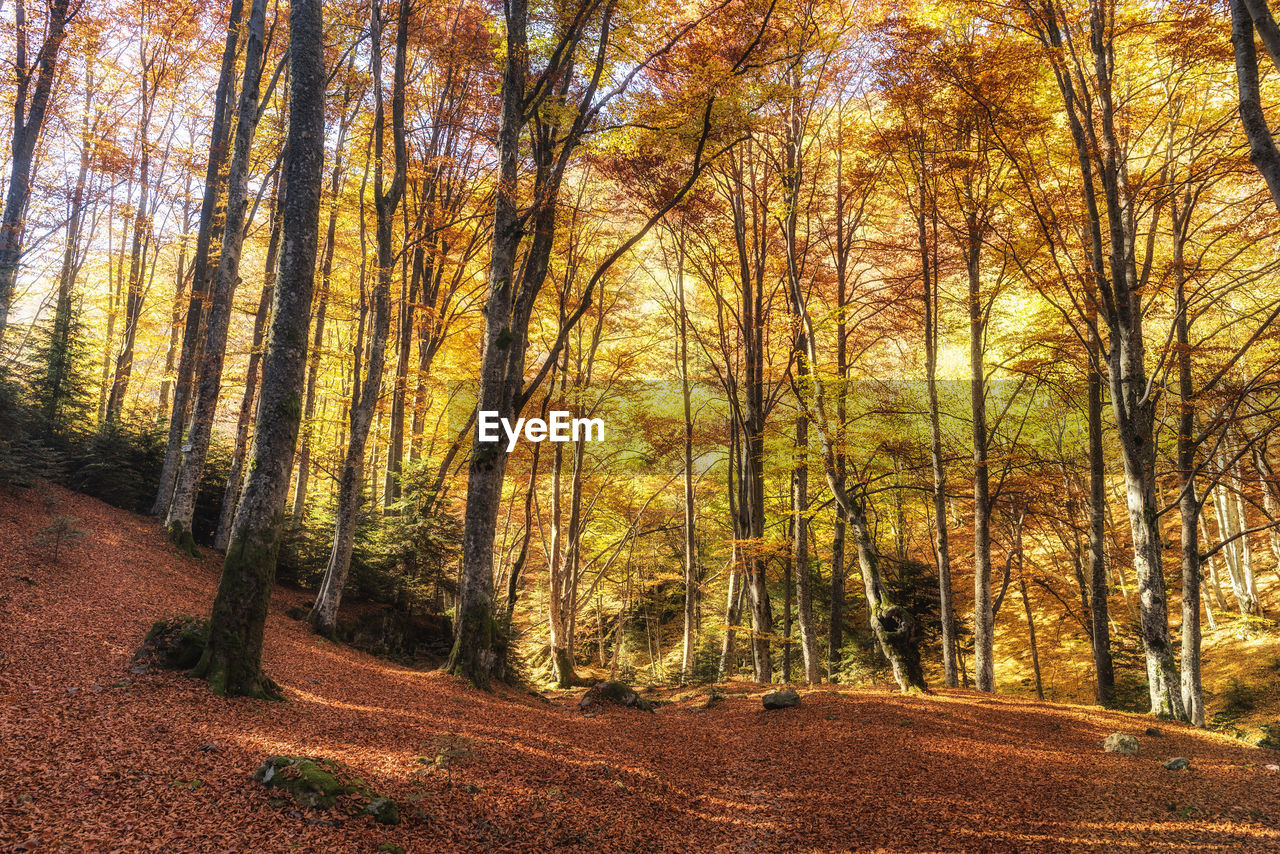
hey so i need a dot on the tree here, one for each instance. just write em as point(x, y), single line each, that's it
point(324, 615)
point(211, 212)
point(232, 659)
point(227, 279)
point(560, 114)
point(35, 80)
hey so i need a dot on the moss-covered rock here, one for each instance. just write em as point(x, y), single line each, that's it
point(323, 784)
point(616, 693)
point(383, 810)
point(310, 782)
point(174, 644)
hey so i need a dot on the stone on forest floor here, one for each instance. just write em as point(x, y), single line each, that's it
point(320, 783)
point(310, 782)
point(784, 699)
point(1178, 763)
point(612, 692)
point(174, 644)
point(383, 810)
point(1118, 742)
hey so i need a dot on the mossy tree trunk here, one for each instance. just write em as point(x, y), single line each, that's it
point(244, 421)
point(232, 659)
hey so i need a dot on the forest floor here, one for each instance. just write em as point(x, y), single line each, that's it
point(95, 757)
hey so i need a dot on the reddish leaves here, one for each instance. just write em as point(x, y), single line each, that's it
point(96, 758)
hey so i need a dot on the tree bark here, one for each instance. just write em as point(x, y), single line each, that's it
point(1262, 146)
point(232, 659)
point(690, 519)
point(1031, 632)
point(942, 540)
point(1099, 589)
point(1188, 503)
point(983, 615)
point(28, 119)
point(317, 341)
point(209, 381)
point(211, 212)
point(324, 616)
point(235, 477)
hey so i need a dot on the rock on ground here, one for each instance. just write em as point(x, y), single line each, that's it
point(613, 692)
point(784, 699)
point(1118, 742)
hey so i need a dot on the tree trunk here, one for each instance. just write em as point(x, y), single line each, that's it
point(322, 307)
point(232, 659)
point(942, 544)
point(209, 380)
point(211, 212)
point(134, 293)
point(28, 119)
point(690, 521)
point(804, 589)
point(895, 628)
point(1100, 622)
point(983, 616)
point(60, 366)
point(728, 652)
point(235, 478)
point(1188, 503)
point(1031, 632)
point(1270, 495)
point(324, 616)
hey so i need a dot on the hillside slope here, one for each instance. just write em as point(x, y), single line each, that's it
point(94, 757)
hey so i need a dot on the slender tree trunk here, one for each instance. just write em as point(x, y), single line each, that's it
point(942, 540)
point(113, 294)
point(1188, 502)
point(232, 659)
point(787, 574)
point(209, 380)
point(58, 370)
point(983, 615)
point(28, 119)
point(324, 616)
point(134, 294)
point(179, 294)
point(235, 478)
point(405, 326)
point(1031, 633)
point(728, 652)
point(1270, 495)
point(211, 212)
point(800, 554)
point(1100, 635)
point(690, 521)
